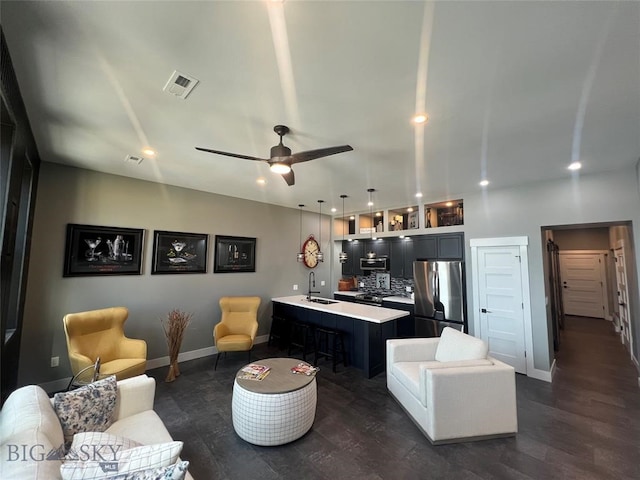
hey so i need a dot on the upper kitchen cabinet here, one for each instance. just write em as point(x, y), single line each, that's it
point(401, 258)
point(403, 219)
point(444, 214)
point(445, 246)
point(451, 246)
point(354, 251)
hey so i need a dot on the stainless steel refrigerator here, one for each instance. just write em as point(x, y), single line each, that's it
point(439, 297)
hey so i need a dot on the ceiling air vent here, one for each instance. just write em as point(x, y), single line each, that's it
point(133, 159)
point(180, 85)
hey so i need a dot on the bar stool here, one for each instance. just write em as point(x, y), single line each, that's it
point(302, 336)
point(279, 331)
point(330, 345)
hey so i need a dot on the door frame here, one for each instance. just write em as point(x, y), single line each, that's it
point(523, 244)
point(603, 275)
point(619, 245)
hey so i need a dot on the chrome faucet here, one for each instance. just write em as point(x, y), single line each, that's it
point(312, 282)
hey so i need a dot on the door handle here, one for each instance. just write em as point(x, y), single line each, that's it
point(564, 286)
point(622, 304)
point(484, 310)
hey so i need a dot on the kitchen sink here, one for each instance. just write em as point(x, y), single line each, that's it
point(323, 301)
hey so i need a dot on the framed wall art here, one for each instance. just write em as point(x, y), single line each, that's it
point(235, 254)
point(178, 252)
point(95, 250)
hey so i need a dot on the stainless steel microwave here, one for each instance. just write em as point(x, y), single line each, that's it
point(380, 263)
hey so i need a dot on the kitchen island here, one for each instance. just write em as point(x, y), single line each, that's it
point(366, 328)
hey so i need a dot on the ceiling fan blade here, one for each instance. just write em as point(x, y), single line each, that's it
point(319, 153)
point(289, 178)
point(236, 155)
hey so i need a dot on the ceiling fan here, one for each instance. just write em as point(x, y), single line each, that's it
point(281, 158)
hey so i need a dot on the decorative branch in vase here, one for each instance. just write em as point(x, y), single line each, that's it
point(174, 326)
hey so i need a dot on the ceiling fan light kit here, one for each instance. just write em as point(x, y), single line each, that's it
point(281, 158)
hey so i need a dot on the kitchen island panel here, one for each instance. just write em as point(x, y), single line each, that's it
point(364, 340)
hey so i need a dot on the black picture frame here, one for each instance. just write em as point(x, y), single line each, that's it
point(234, 254)
point(179, 252)
point(118, 251)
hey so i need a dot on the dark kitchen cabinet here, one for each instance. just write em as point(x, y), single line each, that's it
point(451, 246)
point(354, 251)
point(401, 258)
point(405, 326)
point(380, 247)
point(425, 247)
point(446, 246)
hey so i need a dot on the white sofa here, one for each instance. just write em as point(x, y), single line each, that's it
point(451, 388)
point(30, 429)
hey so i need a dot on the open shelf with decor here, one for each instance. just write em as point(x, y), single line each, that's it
point(404, 219)
point(444, 214)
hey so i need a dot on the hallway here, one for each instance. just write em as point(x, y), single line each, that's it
point(592, 412)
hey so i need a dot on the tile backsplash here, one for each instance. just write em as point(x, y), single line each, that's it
point(398, 286)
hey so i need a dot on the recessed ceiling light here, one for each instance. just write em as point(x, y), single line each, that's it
point(334, 210)
point(149, 152)
point(575, 166)
point(418, 195)
point(448, 204)
point(352, 217)
point(261, 181)
point(484, 183)
point(378, 214)
point(420, 118)
point(369, 204)
point(410, 209)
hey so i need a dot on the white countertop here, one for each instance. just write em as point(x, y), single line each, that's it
point(395, 298)
point(367, 313)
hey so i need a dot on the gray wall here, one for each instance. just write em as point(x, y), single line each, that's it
point(523, 211)
point(70, 195)
point(582, 239)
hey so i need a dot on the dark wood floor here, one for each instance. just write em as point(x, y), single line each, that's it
point(585, 425)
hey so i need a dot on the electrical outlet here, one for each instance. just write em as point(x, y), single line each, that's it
point(295, 287)
point(322, 283)
point(55, 361)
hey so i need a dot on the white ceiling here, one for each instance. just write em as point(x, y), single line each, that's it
point(515, 91)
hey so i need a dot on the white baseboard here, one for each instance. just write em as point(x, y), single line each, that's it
point(63, 383)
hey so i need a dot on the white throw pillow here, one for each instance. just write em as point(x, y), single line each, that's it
point(454, 346)
point(177, 471)
point(87, 409)
point(89, 445)
point(117, 464)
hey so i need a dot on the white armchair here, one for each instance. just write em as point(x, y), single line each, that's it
point(451, 389)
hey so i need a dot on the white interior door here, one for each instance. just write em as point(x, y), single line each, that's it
point(582, 276)
point(500, 297)
point(623, 297)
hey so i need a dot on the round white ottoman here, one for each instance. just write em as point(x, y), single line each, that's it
point(276, 410)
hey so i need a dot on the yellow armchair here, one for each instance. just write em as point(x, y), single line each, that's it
point(238, 326)
point(100, 333)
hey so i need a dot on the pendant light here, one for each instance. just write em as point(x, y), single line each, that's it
point(320, 255)
point(343, 255)
point(300, 256)
point(371, 255)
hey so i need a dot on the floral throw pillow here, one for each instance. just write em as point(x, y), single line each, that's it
point(88, 409)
